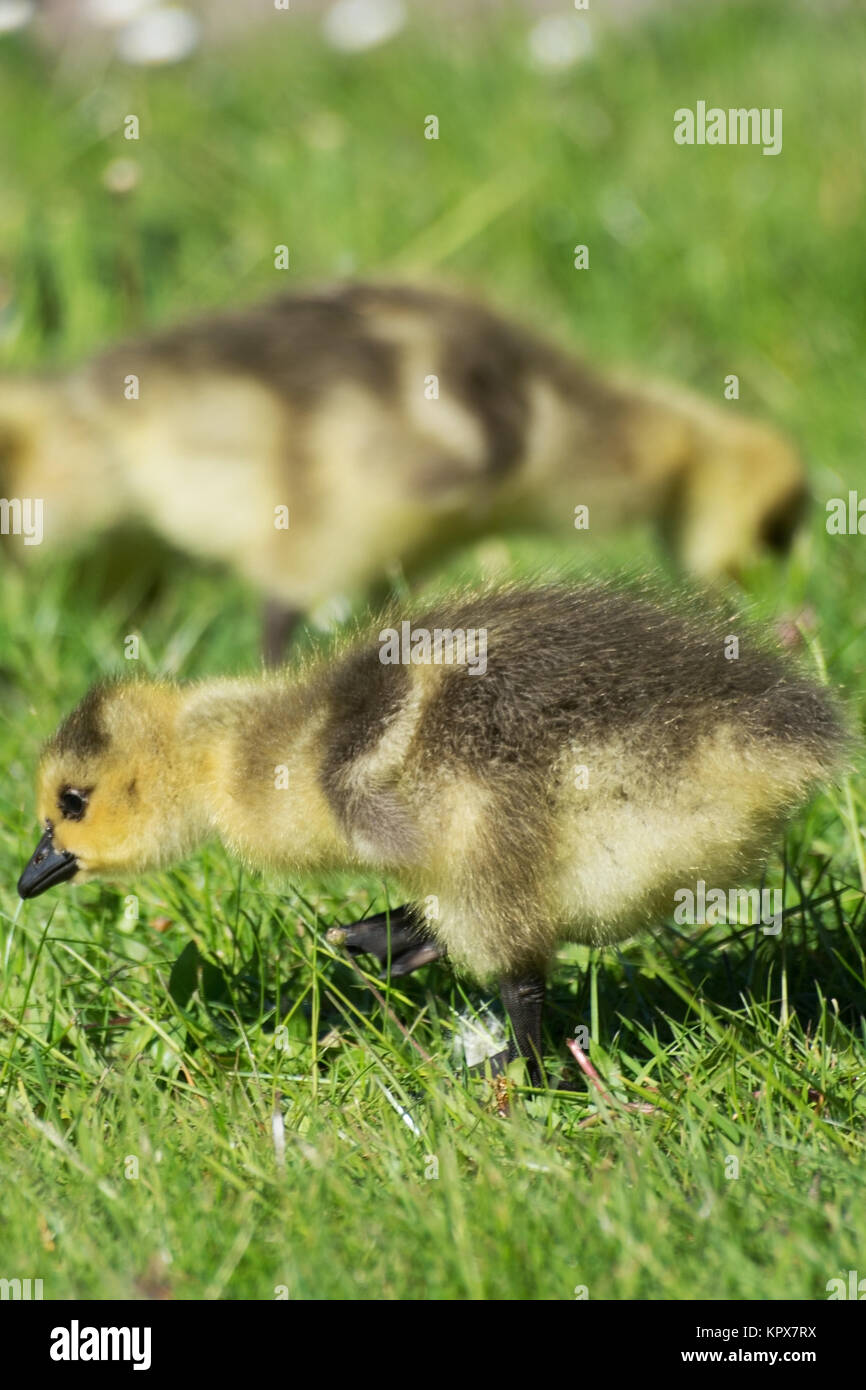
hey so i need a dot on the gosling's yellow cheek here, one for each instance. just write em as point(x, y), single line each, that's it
point(64, 841)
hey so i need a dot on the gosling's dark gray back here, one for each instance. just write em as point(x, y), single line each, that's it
point(301, 344)
point(592, 663)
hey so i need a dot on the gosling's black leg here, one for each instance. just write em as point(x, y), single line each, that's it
point(411, 945)
point(523, 997)
point(279, 624)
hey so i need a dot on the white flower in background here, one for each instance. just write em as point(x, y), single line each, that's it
point(477, 1036)
point(121, 176)
point(109, 13)
point(559, 40)
point(353, 25)
point(159, 36)
point(14, 14)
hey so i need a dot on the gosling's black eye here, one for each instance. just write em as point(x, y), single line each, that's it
point(72, 803)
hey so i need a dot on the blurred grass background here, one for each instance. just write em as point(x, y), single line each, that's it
point(702, 262)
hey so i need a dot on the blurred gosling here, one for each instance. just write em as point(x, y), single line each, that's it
point(321, 442)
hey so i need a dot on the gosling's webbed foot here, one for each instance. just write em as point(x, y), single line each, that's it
point(395, 937)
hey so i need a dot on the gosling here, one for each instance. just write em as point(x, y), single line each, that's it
point(532, 765)
point(321, 442)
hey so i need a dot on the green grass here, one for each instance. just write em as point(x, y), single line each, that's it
point(749, 1046)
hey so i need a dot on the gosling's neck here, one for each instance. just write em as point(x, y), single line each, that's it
point(249, 753)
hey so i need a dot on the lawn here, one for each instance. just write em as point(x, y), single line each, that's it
point(246, 1118)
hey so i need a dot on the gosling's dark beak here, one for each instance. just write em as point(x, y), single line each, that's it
point(780, 526)
point(47, 866)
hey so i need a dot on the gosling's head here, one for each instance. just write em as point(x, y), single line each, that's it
point(745, 497)
point(110, 797)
